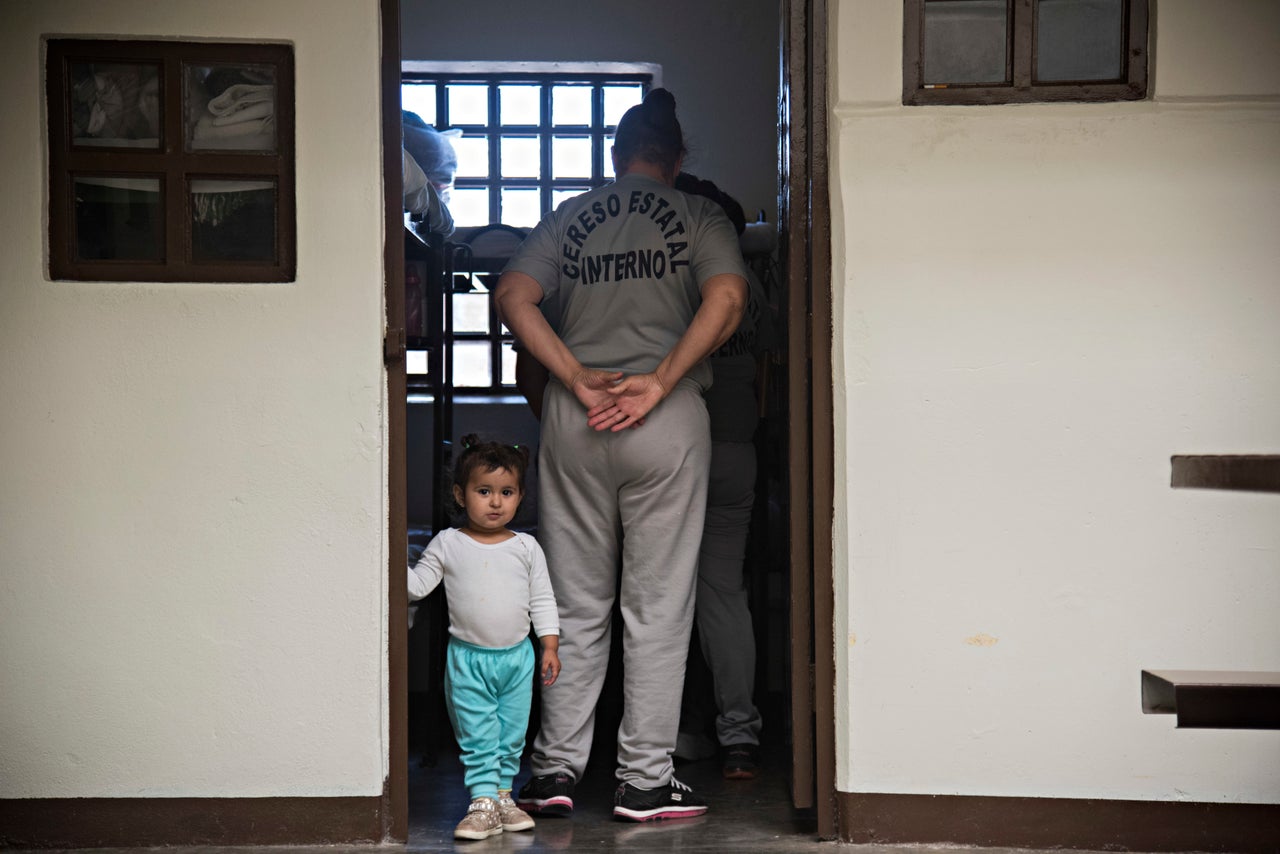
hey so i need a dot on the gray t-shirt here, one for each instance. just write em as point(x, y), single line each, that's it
point(624, 265)
point(731, 400)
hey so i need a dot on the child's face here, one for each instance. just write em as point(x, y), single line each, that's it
point(490, 499)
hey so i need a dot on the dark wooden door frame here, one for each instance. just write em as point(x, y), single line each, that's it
point(395, 789)
point(805, 213)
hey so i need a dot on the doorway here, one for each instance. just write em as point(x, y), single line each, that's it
point(796, 606)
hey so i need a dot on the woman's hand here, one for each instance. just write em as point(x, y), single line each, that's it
point(591, 387)
point(630, 400)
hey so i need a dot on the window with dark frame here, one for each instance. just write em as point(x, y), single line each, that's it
point(170, 161)
point(1023, 51)
point(527, 142)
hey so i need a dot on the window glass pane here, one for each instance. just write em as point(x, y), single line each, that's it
point(571, 105)
point(471, 312)
point(520, 157)
point(607, 153)
point(229, 107)
point(233, 220)
point(965, 41)
point(115, 104)
point(1079, 39)
point(468, 104)
point(420, 98)
point(619, 99)
point(508, 364)
point(469, 206)
point(571, 157)
point(473, 156)
point(520, 105)
point(471, 364)
point(415, 362)
point(558, 196)
point(521, 208)
point(118, 219)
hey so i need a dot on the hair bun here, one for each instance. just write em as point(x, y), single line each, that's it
point(660, 108)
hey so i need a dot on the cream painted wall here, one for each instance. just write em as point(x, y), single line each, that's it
point(192, 505)
point(1035, 307)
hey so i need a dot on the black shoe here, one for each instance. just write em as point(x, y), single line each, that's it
point(674, 800)
point(550, 794)
point(741, 761)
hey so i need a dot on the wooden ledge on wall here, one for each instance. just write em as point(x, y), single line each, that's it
point(1213, 699)
point(1248, 472)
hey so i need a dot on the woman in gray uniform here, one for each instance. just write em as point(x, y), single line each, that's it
point(648, 281)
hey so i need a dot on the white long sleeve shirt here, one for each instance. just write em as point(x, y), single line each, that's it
point(494, 590)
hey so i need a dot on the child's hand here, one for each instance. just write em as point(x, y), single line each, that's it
point(549, 666)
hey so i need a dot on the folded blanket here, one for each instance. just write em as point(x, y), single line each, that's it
point(249, 113)
point(255, 134)
point(241, 96)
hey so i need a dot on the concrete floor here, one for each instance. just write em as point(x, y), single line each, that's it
point(745, 817)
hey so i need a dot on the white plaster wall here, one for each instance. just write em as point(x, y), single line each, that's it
point(1035, 307)
point(192, 511)
point(718, 57)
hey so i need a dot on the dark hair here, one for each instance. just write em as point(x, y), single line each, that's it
point(490, 456)
point(650, 132)
point(695, 186)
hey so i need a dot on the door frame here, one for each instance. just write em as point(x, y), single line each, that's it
point(395, 788)
point(804, 204)
point(804, 209)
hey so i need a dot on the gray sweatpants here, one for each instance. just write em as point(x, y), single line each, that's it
point(724, 620)
point(640, 495)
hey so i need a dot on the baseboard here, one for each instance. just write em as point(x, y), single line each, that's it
point(149, 822)
point(1099, 825)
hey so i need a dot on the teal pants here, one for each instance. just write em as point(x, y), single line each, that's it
point(488, 693)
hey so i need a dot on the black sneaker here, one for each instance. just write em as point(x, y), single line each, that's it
point(741, 761)
point(674, 800)
point(550, 794)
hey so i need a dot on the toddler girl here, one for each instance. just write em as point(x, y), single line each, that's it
point(495, 583)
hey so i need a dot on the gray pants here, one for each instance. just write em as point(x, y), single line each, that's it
point(639, 495)
point(724, 621)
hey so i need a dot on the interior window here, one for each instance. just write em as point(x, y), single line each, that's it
point(170, 161)
point(1002, 51)
point(524, 142)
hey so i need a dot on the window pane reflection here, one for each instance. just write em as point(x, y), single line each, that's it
point(115, 104)
point(1080, 40)
point(420, 98)
point(558, 196)
point(521, 208)
point(619, 99)
point(571, 157)
point(118, 219)
point(469, 206)
point(508, 364)
point(965, 41)
point(415, 362)
point(471, 366)
point(520, 105)
point(468, 104)
point(521, 157)
point(571, 105)
point(230, 107)
point(471, 312)
point(233, 220)
point(473, 156)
